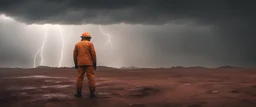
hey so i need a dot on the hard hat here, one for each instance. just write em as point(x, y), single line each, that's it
point(86, 35)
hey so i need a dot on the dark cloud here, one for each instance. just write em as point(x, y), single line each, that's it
point(127, 11)
point(231, 37)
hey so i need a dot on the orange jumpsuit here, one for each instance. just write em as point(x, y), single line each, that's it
point(85, 57)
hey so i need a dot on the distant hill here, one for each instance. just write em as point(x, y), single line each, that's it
point(105, 67)
point(100, 67)
point(227, 66)
point(44, 67)
point(131, 67)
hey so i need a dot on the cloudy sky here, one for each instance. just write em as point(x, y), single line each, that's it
point(143, 33)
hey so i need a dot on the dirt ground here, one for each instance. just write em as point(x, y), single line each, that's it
point(172, 87)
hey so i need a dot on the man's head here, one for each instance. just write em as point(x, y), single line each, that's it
point(86, 36)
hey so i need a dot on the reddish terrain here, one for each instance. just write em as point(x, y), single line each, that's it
point(172, 87)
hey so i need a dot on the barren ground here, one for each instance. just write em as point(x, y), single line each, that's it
point(173, 87)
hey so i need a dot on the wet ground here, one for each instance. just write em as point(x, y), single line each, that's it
point(174, 87)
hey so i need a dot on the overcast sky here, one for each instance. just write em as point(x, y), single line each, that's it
point(144, 33)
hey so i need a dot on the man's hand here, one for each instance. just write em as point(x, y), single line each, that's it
point(76, 66)
point(94, 66)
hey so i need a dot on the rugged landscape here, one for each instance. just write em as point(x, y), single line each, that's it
point(130, 87)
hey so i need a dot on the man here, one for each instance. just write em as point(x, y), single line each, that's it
point(85, 61)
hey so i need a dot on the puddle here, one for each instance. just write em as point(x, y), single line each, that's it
point(39, 76)
point(28, 88)
point(52, 97)
point(22, 88)
point(58, 95)
point(185, 84)
point(48, 80)
point(104, 93)
point(46, 86)
point(58, 82)
point(109, 83)
point(55, 97)
point(56, 86)
point(104, 79)
point(52, 81)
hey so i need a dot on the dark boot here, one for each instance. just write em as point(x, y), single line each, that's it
point(78, 93)
point(92, 95)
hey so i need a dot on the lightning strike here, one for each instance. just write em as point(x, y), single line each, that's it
point(39, 49)
point(42, 48)
point(62, 45)
point(108, 36)
point(37, 52)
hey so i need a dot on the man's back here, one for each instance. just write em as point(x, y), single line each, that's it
point(84, 53)
point(85, 62)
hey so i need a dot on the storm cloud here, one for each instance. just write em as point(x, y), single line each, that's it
point(163, 32)
point(127, 11)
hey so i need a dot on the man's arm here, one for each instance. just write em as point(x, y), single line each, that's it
point(75, 53)
point(93, 55)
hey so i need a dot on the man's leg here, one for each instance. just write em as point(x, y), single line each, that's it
point(90, 76)
point(80, 78)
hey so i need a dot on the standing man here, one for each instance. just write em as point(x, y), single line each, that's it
point(85, 61)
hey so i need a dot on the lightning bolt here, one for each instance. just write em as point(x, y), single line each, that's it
point(62, 45)
point(42, 48)
point(108, 36)
point(37, 52)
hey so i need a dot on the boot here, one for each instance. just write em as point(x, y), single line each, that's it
point(92, 95)
point(78, 93)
